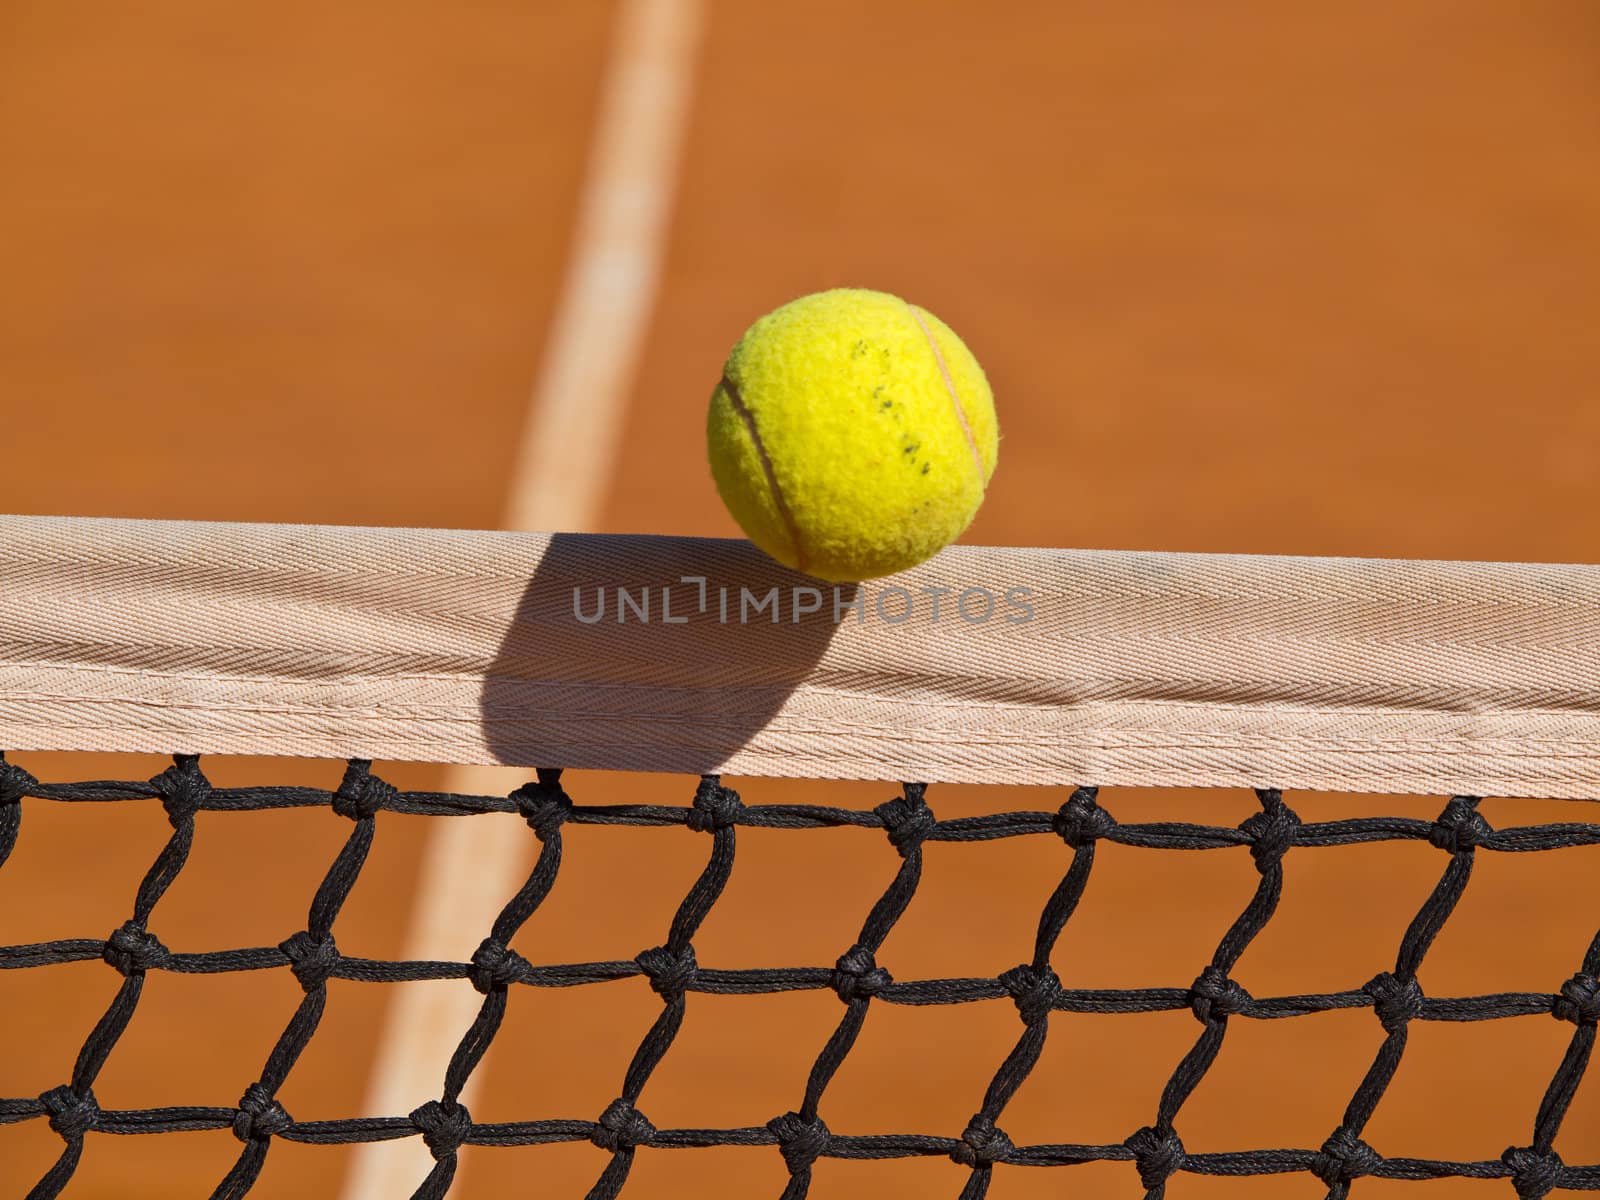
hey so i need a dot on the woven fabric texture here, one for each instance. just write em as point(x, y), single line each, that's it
point(701, 656)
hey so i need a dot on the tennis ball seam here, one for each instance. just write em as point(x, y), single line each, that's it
point(782, 505)
point(955, 399)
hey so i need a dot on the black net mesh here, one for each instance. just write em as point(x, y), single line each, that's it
point(1155, 1152)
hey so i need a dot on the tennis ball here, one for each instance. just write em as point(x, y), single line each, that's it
point(852, 434)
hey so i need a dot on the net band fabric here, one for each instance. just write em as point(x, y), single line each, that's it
point(1275, 836)
point(1129, 668)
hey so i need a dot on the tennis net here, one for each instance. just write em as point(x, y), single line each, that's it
point(1473, 683)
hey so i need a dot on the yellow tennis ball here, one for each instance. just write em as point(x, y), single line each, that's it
point(852, 434)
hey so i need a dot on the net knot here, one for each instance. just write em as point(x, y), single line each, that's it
point(982, 1143)
point(1579, 1001)
point(443, 1127)
point(621, 1127)
point(1272, 831)
point(857, 974)
point(1344, 1157)
point(907, 819)
point(670, 969)
point(72, 1113)
point(1157, 1155)
point(1215, 997)
point(15, 783)
point(183, 789)
point(801, 1142)
point(715, 807)
point(1081, 820)
point(361, 794)
point(495, 965)
point(260, 1116)
point(544, 805)
point(312, 958)
point(1459, 826)
point(1395, 1001)
point(1534, 1173)
point(130, 949)
point(1034, 990)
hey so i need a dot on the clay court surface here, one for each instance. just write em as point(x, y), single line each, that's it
point(1245, 277)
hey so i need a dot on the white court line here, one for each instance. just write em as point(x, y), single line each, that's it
point(564, 468)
